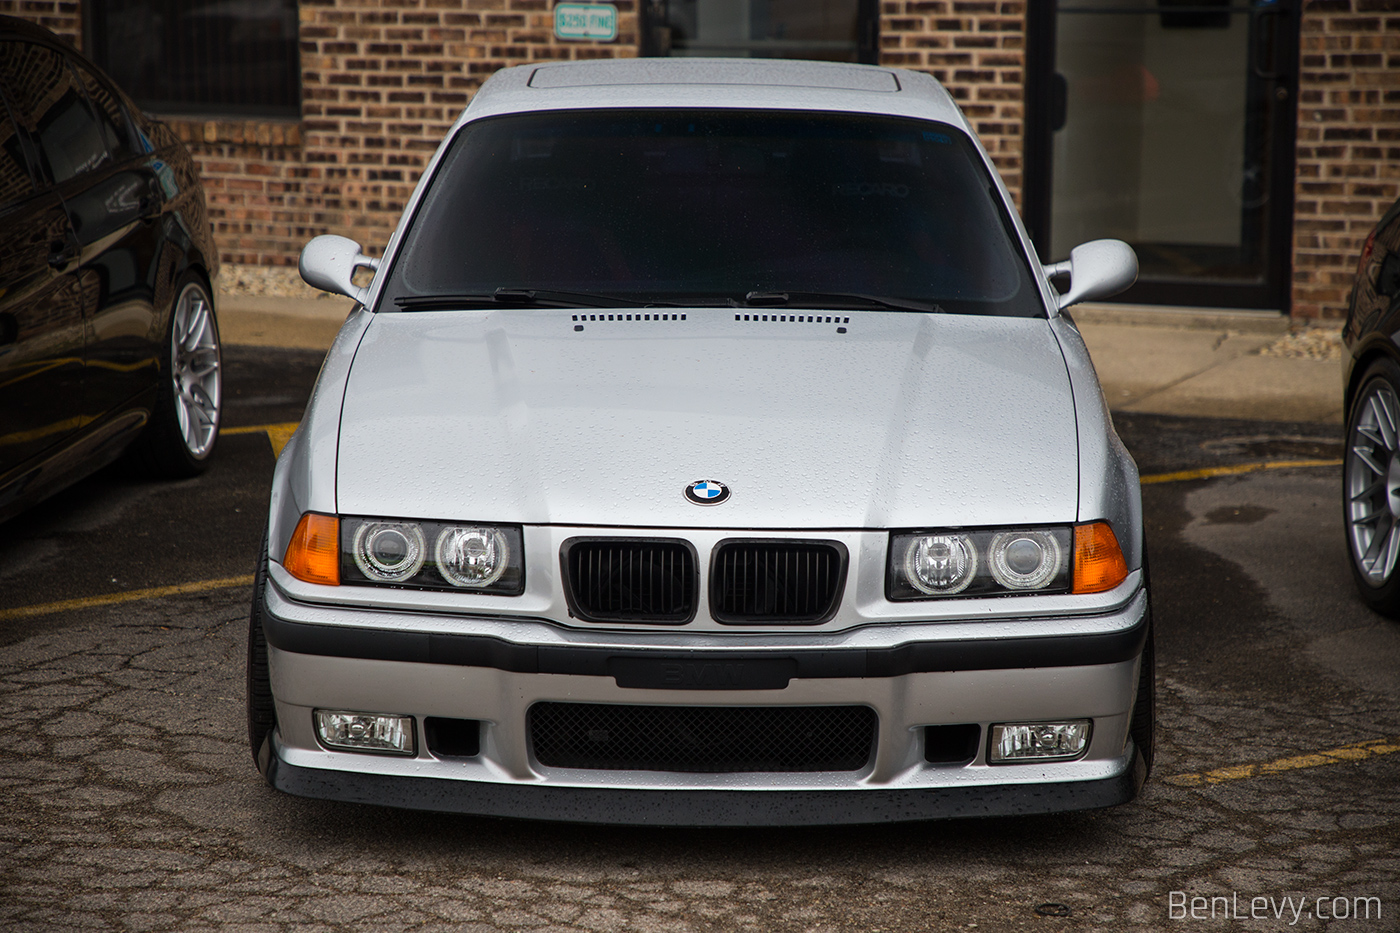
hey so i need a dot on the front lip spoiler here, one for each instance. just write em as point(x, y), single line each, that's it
point(631, 807)
point(969, 654)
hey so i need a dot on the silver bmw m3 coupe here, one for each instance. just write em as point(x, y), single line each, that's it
point(709, 448)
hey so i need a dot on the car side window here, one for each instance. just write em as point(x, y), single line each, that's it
point(15, 183)
point(1388, 279)
point(111, 118)
point(1387, 249)
point(53, 107)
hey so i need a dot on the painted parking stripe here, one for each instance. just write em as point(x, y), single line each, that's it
point(110, 599)
point(1335, 756)
point(1357, 752)
point(1361, 751)
point(1182, 476)
point(277, 434)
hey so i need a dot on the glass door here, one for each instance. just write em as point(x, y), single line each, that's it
point(1170, 125)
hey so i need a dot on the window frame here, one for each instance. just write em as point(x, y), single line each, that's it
point(27, 153)
point(94, 21)
point(41, 170)
point(652, 23)
point(128, 127)
point(1022, 258)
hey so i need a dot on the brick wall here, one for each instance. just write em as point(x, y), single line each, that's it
point(62, 16)
point(1348, 144)
point(253, 184)
point(976, 49)
point(382, 82)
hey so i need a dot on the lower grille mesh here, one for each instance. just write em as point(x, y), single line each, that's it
point(702, 739)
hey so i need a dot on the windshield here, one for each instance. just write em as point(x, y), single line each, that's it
point(715, 207)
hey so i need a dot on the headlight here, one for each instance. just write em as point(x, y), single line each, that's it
point(936, 564)
point(1026, 560)
point(457, 556)
point(472, 557)
point(940, 565)
point(388, 552)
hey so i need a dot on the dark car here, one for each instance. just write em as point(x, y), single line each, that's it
point(1371, 478)
point(108, 340)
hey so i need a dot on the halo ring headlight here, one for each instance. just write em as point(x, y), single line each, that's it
point(389, 552)
point(1025, 560)
point(940, 565)
point(471, 557)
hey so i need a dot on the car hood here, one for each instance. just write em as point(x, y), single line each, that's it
point(862, 420)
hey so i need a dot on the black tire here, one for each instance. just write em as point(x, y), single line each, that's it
point(1369, 496)
point(262, 714)
point(190, 390)
point(1143, 727)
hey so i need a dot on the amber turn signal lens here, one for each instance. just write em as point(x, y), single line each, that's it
point(1098, 560)
point(314, 552)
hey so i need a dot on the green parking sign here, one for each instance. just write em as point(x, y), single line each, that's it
point(595, 22)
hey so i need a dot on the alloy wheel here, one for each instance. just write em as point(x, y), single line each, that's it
point(1373, 483)
point(195, 369)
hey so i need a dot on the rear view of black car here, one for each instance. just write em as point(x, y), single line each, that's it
point(1371, 474)
point(108, 340)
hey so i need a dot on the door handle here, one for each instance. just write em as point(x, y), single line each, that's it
point(61, 253)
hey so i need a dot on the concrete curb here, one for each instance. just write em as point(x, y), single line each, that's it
point(328, 307)
point(1228, 319)
point(234, 308)
point(270, 321)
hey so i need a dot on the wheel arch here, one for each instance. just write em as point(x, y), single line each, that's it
point(1379, 347)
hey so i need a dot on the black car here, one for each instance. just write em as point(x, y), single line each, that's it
point(108, 340)
point(1371, 477)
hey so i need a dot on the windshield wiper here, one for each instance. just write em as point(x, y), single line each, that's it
point(516, 298)
point(834, 300)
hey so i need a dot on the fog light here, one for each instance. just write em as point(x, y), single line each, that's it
point(1039, 741)
point(365, 732)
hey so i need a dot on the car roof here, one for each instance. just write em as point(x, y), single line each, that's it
point(737, 83)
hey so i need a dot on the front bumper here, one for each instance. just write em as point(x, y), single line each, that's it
point(911, 675)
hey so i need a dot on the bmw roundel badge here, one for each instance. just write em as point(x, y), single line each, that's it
point(707, 492)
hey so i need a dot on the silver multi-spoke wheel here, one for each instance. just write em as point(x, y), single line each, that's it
point(194, 368)
point(1373, 483)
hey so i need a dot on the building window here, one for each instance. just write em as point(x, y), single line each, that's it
point(829, 30)
point(222, 58)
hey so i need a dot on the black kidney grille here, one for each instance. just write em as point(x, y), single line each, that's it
point(702, 739)
point(631, 581)
point(783, 582)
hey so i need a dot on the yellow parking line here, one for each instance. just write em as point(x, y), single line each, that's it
point(277, 434)
point(1208, 472)
point(109, 599)
point(1357, 752)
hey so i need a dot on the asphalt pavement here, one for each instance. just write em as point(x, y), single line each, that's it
point(132, 802)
